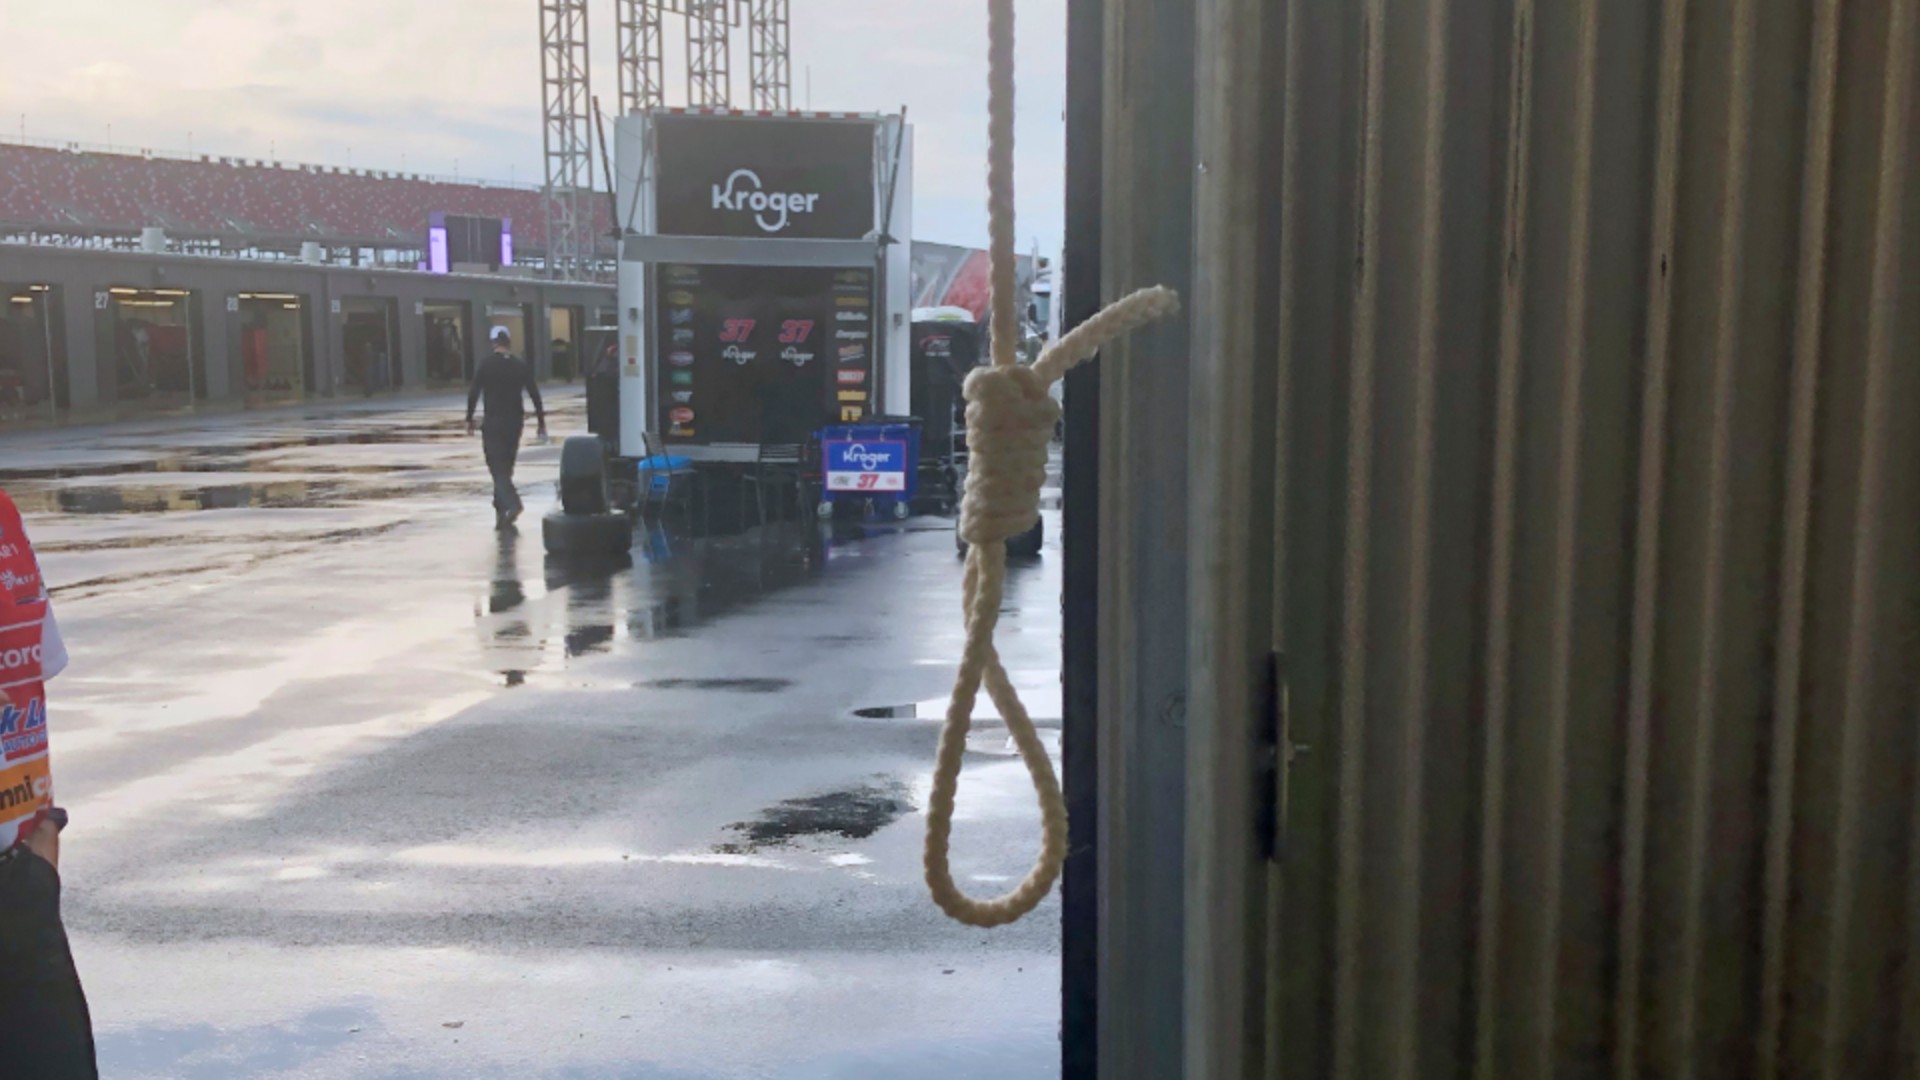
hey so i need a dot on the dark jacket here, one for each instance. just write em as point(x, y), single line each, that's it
point(500, 379)
point(47, 1033)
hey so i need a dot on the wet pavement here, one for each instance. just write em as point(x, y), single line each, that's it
point(360, 788)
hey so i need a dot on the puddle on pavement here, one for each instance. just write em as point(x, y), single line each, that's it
point(742, 686)
point(984, 711)
point(232, 457)
point(174, 498)
point(852, 814)
point(89, 486)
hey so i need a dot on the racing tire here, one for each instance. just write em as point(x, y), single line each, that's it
point(1025, 546)
point(583, 476)
point(586, 534)
point(900, 510)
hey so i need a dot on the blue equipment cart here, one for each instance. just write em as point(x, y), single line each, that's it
point(876, 463)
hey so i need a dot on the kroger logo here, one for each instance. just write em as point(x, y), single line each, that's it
point(874, 457)
point(770, 209)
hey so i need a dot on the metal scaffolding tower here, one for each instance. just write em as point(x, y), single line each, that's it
point(567, 136)
point(710, 53)
point(770, 54)
point(643, 83)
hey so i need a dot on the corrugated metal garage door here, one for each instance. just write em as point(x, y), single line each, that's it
point(1597, 530)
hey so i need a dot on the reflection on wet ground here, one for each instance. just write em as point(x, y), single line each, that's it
point(272, 1050)
point(588, 606)
point(853, 814)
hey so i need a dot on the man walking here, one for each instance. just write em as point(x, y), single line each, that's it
point(501, 378)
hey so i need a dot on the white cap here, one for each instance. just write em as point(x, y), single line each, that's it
point(502, 334)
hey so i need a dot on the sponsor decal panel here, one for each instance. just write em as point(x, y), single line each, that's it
point(850, 316)
point(851, 376)
point(683, 378)
point(681, 316)
point(873, 465)
point(680, 358)
point(25, 789)
point(681, 415)
point(682, 396)
point(850, 301)
point(853, 395)
point(679, 432)
point(683, 336)
point(19, 661)
point(680, 297)
point(23, 728)
point(851, 413)
point(851, 353)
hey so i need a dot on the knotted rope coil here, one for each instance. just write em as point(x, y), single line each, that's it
point(1010, 421)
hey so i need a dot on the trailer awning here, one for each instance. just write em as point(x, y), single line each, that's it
point(736, 251)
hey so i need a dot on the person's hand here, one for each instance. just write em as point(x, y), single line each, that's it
point(44, 841)
point(472, 427)
point(543, 429)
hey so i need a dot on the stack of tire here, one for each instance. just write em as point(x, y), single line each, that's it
point(585, 524)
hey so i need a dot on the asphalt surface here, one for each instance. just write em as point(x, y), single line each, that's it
point(361, 788)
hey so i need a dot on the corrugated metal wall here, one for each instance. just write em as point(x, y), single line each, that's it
point(1598, 535)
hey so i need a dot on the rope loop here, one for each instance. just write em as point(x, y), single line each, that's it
point(1010, 421)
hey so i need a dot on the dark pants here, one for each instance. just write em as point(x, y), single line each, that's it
point(502, 444)
point(45, 1031)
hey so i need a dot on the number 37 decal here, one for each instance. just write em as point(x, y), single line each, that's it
point(792, 331)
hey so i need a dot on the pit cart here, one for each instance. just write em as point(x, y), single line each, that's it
point(875, 464)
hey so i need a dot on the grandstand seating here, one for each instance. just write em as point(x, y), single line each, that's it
point(82, 191)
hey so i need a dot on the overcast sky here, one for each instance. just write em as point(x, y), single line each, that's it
point(426, 84)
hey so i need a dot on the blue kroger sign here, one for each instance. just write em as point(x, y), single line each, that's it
point(866, 456)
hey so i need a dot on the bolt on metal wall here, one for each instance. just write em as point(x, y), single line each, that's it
point(1595, 532)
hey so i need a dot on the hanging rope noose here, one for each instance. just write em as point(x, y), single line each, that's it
point(1010, 420)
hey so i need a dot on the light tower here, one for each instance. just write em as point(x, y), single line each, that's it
point(710, 53)
point(769, 55)
point(643, 83)
point(567, 137)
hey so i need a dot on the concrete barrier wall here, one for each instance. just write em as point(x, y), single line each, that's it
point(78, 274)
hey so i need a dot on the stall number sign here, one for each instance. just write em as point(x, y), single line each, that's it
point(867, 465)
